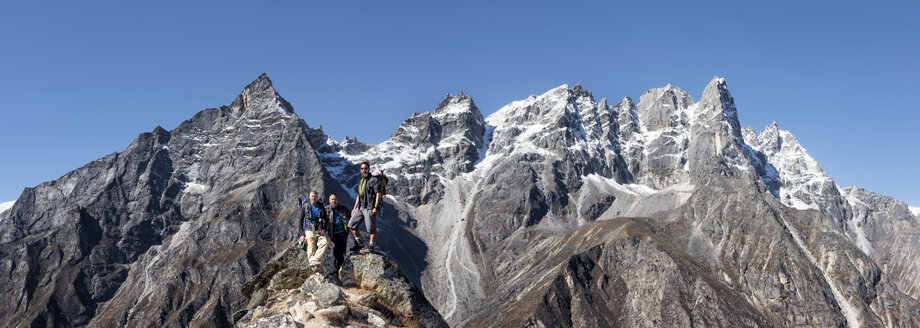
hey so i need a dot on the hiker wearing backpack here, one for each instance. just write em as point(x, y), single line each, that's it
point(336, 229)
point(313, 218)
point(367, 205)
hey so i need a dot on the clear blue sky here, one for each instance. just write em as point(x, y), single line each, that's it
point(81, 80)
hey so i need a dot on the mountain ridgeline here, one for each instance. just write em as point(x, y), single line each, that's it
point(558, 210)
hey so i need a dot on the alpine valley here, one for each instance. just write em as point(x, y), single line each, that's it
point(559, 210)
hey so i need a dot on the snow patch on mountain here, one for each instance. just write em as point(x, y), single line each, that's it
point(630, 188)
point(4, 207)
point(860, 234)
point(484, 148)
point(398, 156)
point(195, 188)
point(914, 210)
point(641, 190)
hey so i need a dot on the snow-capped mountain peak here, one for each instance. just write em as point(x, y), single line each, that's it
point(532, 108)
point(559, 123)
point(454, 104)
point(800, 175)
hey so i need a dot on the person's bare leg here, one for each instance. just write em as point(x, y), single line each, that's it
point(373, 238)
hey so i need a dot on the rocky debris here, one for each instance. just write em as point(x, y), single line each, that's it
point(282, 320)
point(369, 290)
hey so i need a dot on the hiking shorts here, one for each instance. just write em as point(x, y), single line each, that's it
point(366, 215)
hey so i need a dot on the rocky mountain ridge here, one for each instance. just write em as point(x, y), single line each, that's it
point(556, 210)
point(579, 161)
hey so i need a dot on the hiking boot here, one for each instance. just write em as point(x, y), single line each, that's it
point(369, 249)
point(357, 246)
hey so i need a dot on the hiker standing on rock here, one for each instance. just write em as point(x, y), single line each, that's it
point(336, 229)
point(367, 205)
point(313, 218)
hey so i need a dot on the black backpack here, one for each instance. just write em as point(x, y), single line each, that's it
point(382, 183)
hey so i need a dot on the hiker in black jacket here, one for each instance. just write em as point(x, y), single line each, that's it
point(313, 219)
point(336, 229)
point(367, 205)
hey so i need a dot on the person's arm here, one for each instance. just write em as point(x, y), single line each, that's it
point(324, 220)
point(376, 203)
point(300, 221)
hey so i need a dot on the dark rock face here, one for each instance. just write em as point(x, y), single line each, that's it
point(164, 232)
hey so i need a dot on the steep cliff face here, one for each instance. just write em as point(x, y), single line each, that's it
point(163, 232)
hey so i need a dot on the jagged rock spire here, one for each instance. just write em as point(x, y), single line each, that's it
point(259, 97)
point(717, 104)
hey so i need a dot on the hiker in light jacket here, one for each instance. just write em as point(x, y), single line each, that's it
point(313, 218)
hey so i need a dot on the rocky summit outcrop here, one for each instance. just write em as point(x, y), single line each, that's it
point(369, 290)
point(558, 210)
